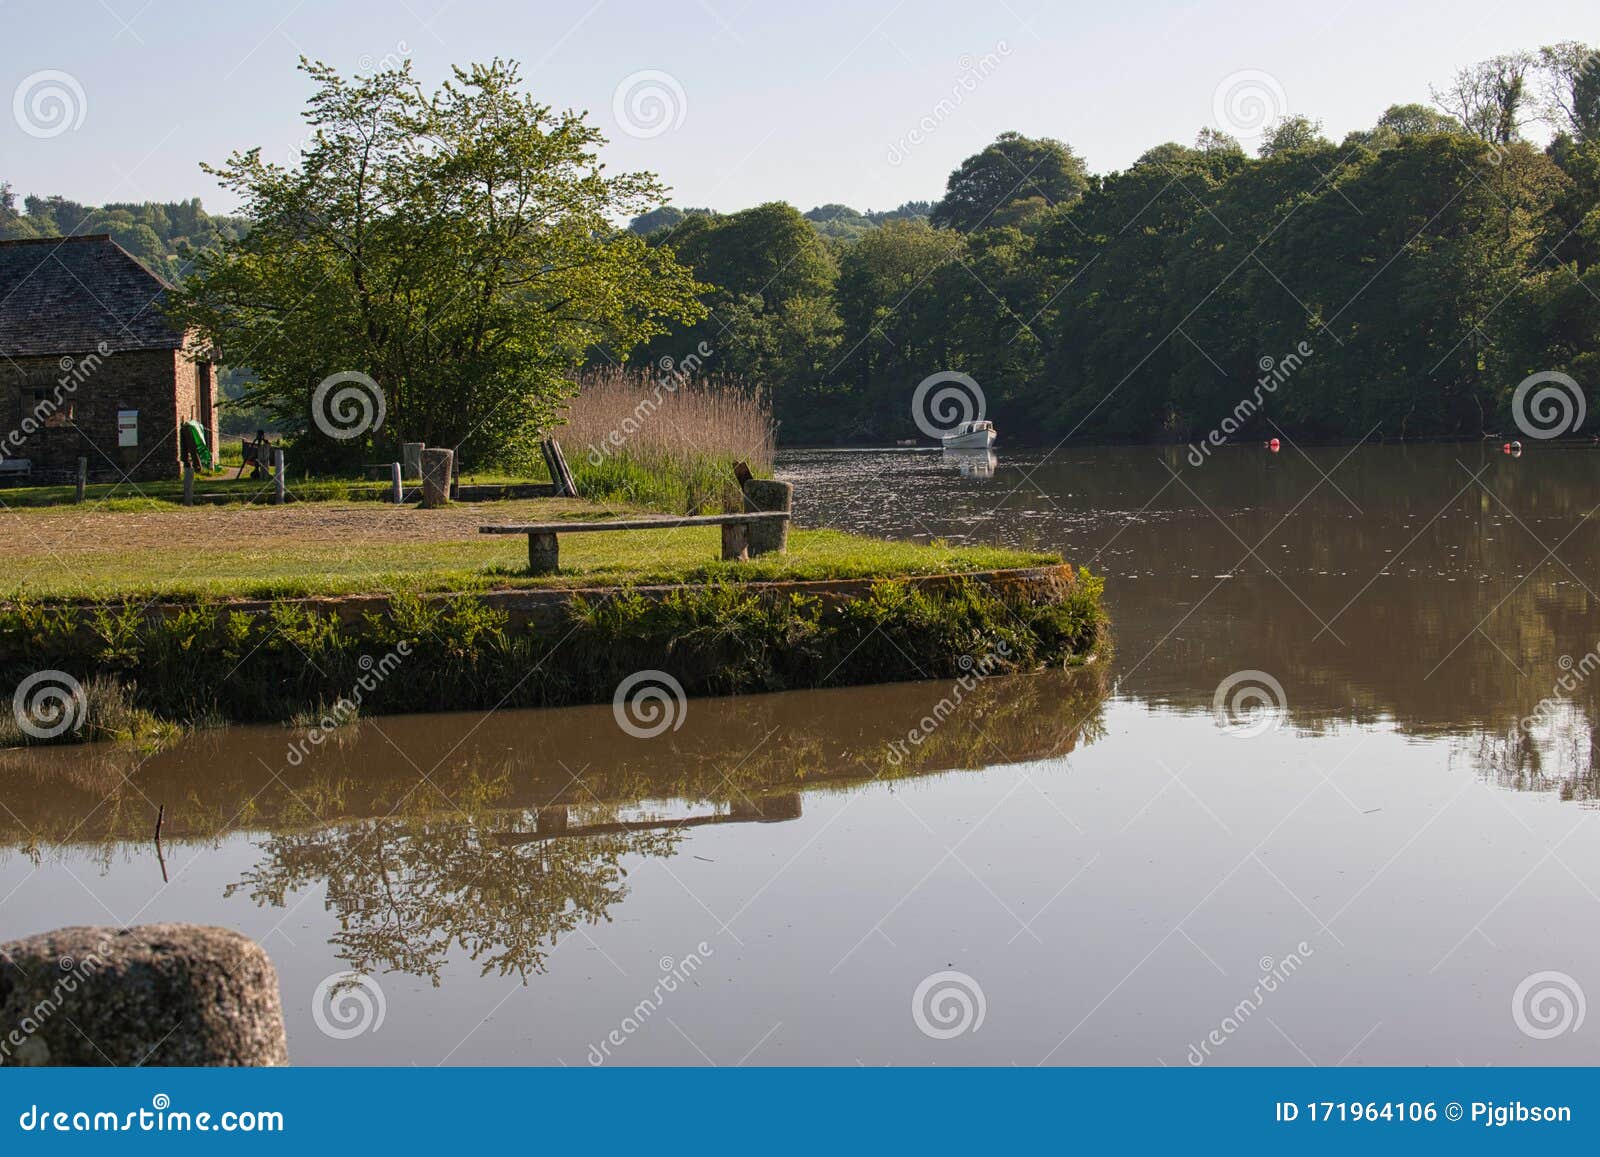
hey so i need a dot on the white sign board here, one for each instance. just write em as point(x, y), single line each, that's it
point(127, 427)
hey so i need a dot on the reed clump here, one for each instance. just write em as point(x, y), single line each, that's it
point(665, 439)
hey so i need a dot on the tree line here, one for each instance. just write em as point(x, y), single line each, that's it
point(1401, 282)
point(460, 249)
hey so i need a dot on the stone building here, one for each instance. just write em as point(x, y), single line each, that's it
point(90, 367)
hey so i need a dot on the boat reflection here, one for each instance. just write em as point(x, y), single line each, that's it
point(971, 463)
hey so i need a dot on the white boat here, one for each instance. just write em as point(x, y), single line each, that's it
point(970, 436)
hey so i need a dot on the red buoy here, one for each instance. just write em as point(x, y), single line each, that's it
point(1273, 445)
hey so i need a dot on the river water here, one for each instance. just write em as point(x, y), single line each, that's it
point(1331, 801)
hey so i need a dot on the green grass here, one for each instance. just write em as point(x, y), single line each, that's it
point(263, 568)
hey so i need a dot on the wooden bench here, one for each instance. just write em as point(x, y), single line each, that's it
point(544, 555)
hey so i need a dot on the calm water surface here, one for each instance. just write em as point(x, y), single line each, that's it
point(1390, 816)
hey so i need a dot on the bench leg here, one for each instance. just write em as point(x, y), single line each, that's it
point(735, 542)
point(544, 556)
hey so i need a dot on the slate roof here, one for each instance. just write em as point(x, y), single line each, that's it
point(65, 295)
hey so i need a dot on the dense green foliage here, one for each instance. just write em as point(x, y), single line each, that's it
point(1427, 267)
point(164, 235)
point(204, 662)
point(455, 247)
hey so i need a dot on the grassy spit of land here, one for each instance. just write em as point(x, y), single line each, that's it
point(79, 585)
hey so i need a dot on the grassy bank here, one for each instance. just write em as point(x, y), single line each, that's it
point(717, 639)
point(344, 548)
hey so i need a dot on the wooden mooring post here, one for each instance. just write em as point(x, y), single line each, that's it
point(83, 478)
point(396, 490)
point(188, 484)
point(277, 475)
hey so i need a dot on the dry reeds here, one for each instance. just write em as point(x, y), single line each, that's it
point(665, 439)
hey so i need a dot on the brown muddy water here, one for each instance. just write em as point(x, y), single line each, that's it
point(1332, 801)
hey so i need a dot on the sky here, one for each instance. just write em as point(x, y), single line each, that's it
point(732, 102)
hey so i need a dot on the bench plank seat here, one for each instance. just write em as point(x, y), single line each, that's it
point(544, 549)
point(635, 523)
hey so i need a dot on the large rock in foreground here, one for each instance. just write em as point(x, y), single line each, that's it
point(156, 994)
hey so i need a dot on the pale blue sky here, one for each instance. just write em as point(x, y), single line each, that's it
point(799, 102)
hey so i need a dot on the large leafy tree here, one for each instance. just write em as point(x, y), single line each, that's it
point(1015, 178)
point(457, 247)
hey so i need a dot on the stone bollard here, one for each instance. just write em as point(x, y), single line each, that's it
point(83, 478)
point(157, 994)
point(277, 477)
point(397, 492)
point(764, 494)
point(188, 484)
point(411, 460)
point(435, 477)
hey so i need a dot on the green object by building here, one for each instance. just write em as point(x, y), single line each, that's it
point(195, 434)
